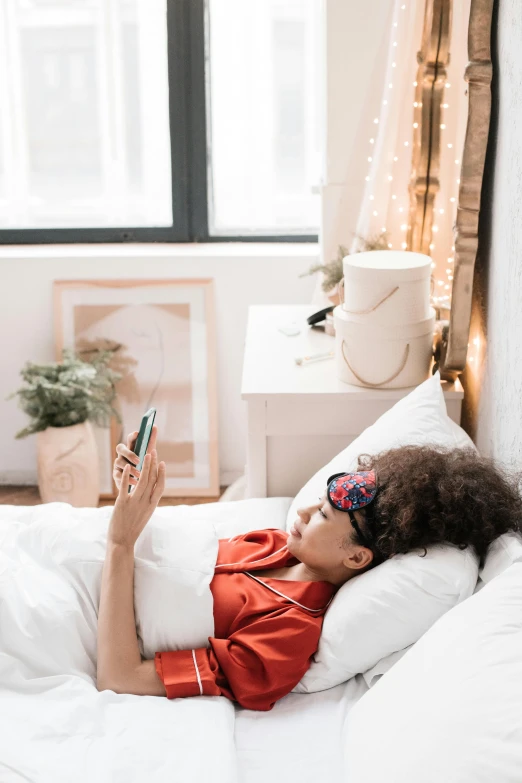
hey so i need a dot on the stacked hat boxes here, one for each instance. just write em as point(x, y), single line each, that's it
point(384, 328)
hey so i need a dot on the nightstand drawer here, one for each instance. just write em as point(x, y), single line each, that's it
point(293, 459)
point(334, 417)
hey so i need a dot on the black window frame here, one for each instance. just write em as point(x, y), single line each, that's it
point(186, 30)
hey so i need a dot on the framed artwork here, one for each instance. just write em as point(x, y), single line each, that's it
point(165, 330)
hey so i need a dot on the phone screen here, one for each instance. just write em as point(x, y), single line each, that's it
point(142, 441)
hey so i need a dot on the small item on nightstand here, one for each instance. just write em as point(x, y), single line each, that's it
point(291, 330)
point(314, 357)
point(320, 315)
point(329, 327)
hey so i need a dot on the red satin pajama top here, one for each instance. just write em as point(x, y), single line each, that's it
point(266, 630)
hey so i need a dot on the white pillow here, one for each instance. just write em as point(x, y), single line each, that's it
point(503, 552)
point(387, 609)
point(461, 437)
point(374, 674)
point(418, 418)
point(407, 594)
point(50, 577)
point(450, 709)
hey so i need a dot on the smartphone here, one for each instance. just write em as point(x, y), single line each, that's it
point(142, 441)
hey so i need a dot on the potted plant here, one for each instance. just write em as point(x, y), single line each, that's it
point(62, 399)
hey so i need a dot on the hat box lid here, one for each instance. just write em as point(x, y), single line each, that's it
point(395, 265)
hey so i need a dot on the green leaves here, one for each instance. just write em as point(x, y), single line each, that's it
point(68, 392)
point(333, 270)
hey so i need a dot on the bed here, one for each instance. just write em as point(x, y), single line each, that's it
point(56, 726)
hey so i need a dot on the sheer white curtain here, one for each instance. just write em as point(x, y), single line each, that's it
point(455, 119)
point(388, 142)
point(389, 138)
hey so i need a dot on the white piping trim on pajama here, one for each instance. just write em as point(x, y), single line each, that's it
point(288, 597)
point(222, 565)
point(197, 673)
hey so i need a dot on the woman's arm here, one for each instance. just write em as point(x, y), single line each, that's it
point(119, 665)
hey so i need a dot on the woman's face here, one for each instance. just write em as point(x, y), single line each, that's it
point(324, 539)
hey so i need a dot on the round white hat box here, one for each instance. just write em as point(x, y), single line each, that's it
point(379, 357)
point(387, 287)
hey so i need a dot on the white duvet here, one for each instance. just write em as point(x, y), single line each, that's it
point(54, 724)
point(55, 727)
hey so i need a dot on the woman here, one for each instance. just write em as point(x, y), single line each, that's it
point(272, 588)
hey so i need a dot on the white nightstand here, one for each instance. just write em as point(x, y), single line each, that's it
point(300, 417)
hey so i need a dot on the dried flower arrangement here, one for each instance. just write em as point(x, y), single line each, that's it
point(333, 270)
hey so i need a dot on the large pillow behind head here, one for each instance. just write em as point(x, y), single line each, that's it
point(390, 607)
point(420, 418)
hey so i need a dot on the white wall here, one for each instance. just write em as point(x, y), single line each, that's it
point(244, 274)
point(499, 409)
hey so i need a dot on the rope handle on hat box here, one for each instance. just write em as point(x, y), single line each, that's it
point(370, 309)
point(391, 378)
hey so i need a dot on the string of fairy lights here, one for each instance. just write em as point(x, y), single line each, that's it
point(441, 296)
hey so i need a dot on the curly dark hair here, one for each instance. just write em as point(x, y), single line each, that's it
point(434, 494)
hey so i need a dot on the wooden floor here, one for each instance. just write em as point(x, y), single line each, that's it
point(29, 496)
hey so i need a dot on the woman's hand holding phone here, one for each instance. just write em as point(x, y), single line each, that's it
point(126, 456)
point(132, 511)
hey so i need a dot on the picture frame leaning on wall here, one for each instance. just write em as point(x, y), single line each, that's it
point(167, 357)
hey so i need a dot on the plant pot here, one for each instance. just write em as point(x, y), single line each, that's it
point(335, 295)
point(68, 467)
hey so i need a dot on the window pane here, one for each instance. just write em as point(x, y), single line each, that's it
point(84, 121)
point(263, 108)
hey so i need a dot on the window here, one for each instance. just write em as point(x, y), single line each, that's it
point(85, 136)
point(263, 130)
point(168, 120)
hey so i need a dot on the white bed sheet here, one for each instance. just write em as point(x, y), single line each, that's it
point(61, 730)
point(300, 740)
